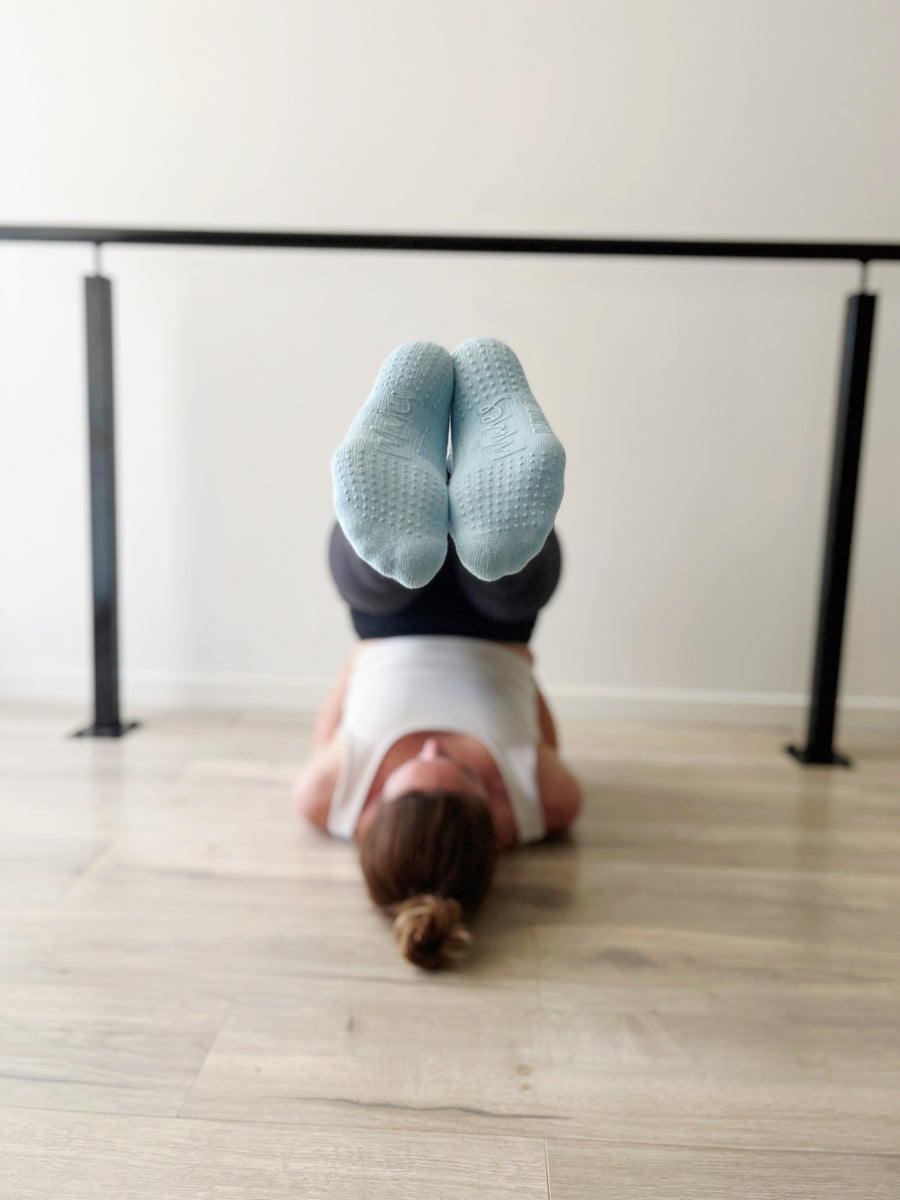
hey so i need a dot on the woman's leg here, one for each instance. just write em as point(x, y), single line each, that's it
point(382, 607)
point(503, 562)
point(518, 597)
point(363, 588)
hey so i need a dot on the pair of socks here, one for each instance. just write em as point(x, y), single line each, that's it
point(392, 495)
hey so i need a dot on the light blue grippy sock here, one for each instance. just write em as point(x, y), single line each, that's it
point(506, 482)
point(390, 472)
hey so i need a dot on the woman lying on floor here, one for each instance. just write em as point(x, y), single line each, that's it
point(436, 749)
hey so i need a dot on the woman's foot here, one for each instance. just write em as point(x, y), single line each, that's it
point(390, 472)
point(506, 481)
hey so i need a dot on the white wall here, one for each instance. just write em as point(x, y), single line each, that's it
point(696, 399)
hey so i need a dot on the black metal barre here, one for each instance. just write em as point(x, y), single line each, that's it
point(858, 333)
point(864, 252)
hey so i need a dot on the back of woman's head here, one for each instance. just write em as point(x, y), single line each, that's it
point(428, 860)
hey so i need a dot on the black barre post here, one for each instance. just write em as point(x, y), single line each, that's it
point(98, 310)
point(858, 329)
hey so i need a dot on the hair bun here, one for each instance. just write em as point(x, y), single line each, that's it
point(430, 930)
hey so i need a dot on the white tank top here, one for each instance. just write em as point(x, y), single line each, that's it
point(403, 685)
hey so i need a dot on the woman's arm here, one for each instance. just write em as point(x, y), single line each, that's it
point(559, 790)
point(314, 786)
point(330, 713)
point(545, 720)
point(316, 782)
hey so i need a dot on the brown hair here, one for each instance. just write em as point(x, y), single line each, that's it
point(428, 859)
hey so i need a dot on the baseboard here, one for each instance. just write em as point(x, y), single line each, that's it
point(164, 689)
point(751, 710)
point(304, 694)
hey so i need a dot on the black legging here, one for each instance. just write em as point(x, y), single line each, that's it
point(453, 603)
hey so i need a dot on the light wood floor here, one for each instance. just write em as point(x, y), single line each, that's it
point(696, 996)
